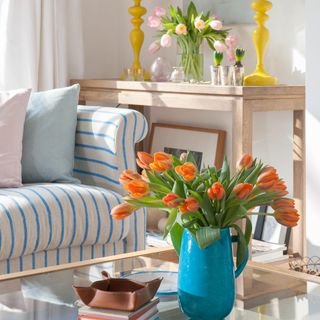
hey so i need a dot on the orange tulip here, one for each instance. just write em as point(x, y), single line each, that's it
point(283, 203)
point(288, 217)
point(190, 205)
point(245, 162)
point(280, 187)
point(216, 192)
point(137, 188)
point(123, 210)
point(187, 171)
point(242, 190)
point(162, 161)
point(144, 159)
point(267, 178)
point(171, 200)
point(128, 175)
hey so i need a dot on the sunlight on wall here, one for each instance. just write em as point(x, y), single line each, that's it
point(298, 61)
point(313, 181)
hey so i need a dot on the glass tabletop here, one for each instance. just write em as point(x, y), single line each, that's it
point(267, 294)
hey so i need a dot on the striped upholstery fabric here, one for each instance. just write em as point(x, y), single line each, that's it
point(50, 224)
point(105, 144)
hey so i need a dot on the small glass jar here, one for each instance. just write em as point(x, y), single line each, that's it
point(139, 74)
point(238, 76)
point(226, 75)
point(177, 74)
point(215, 75)
point(160, 70)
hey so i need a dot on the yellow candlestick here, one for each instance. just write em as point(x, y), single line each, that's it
point(260, 38)
point(136, 35)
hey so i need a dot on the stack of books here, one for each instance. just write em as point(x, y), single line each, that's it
point(268, 252)
point(147, 312)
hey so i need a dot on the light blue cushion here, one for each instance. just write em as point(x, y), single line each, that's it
point(49, 136)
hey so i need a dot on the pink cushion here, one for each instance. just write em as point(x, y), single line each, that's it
point(13, 106)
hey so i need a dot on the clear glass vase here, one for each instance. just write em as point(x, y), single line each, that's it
point(192, 64)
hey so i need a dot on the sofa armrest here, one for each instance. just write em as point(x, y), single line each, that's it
point(105, 144)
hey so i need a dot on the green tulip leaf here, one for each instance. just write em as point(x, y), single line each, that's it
point(173, 213)
point(242, 245)
point(206, 236)
point(179, 189)
point(176, 236)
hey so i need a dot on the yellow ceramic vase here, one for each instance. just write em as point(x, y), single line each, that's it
point(260, 38)
point(136, 35)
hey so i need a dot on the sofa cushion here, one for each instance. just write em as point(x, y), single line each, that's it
point(50, 216)
point(13, 105)
point(49, 136)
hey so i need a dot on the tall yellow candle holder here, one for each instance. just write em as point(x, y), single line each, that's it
point(260, 38)
point(136, 35)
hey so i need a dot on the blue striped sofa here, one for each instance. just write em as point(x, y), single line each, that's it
point(50, 224)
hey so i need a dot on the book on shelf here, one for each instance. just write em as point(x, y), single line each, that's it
point(147, 312)
point(263, 251)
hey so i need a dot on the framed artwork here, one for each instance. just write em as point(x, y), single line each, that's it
point(207, 145)
point(229, 11)
point(267, 229)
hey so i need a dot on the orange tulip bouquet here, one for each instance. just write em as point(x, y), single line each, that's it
point(208, 200)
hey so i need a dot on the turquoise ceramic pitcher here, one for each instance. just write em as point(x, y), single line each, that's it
point(206, 281)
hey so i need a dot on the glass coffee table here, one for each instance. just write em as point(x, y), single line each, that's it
point(269, 293)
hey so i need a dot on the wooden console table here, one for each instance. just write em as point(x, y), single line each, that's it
point(241, 101)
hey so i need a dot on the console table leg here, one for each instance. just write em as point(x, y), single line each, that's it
point(242, 143)
point(241, 132)
point(297, 243)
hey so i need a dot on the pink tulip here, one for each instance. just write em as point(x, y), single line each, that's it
point(154, 22)
point(154, 47)
point(181, 29)
point(216, 25)
point(231, 41)
point(220, 46)
point(159, 12)
point(166, 41)
point(199, 24)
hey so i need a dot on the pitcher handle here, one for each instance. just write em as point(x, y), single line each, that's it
point(244, 262)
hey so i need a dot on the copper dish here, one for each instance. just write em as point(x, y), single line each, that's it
point(117, 293)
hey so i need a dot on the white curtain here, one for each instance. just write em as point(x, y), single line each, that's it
point(41, 44)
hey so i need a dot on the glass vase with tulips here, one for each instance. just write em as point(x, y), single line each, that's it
point(206, 201)
point(190, 29)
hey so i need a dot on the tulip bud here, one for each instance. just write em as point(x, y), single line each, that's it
point(123, 210)
point(242, 190)
point(267, 178)
point(128, 175)
point(283, 203)
point(144, 159)
point(137, 188)
point(171, 200)
point(245, 162)
point(154, 22)
point(288, 217)
point(216, 25)
point(190, 205)
point(162, 161)
point(188, 171)
point(216, 192)
point(166, 41)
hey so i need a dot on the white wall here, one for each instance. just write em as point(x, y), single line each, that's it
point(107, 52)
point(313, 128)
